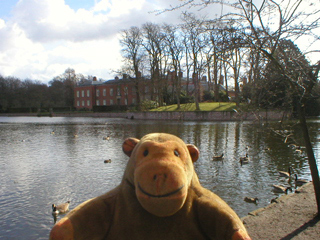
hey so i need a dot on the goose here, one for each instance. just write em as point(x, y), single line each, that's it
point(251, 200)
point(299, 182)
point(244, 160)
point(107, 161)
point(286, 174)
point(281, 189)
point(62, 208)
point(215, 158)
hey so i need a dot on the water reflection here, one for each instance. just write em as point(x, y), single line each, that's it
point(41, 168)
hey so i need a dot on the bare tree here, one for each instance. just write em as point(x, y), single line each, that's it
point(175, 47)
point(293, 22)
point(193, 29)
point(263, 26)
point(154, 44)
point(131, 41)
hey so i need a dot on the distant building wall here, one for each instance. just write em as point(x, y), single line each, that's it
point(123, 91)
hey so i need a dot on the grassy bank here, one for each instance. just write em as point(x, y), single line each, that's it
point(207, 106)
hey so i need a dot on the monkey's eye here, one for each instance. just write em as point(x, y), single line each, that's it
point(176, 153)
point(145, 153)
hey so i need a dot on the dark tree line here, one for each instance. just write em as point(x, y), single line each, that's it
point(31, 95)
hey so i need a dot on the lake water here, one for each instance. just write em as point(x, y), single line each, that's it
point(53, 160)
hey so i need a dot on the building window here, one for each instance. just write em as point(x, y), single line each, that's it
point(88, 93)
point(133, 100)
point(82, 103)
point(111, 101)
point(78, 102)
point(118, 91)
point(82, 93)
point(98, 103)
point(126, 101)
point(97, 92)
point(104, 92)
point(111, 91)
point(78, 93)
point(146, 89)
point(88, 103)
point(104, 102)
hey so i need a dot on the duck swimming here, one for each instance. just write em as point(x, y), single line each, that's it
point(62, 208)
point(299, 182)
point(244, 160)
point(216, 158)
point(281, 189)
point(286, 174)
point(251, 200)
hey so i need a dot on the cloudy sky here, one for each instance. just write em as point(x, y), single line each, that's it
point(40, 39)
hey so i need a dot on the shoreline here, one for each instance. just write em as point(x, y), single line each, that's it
point(292, 216)
point(184, 116)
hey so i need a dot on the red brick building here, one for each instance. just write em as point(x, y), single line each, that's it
point(122, 92)
point(113, 92)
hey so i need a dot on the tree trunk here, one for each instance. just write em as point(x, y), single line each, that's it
point(310, 154)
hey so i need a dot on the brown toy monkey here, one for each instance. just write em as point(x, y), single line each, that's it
point(160, 197)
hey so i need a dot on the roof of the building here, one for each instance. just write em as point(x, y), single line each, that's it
point(111, 81)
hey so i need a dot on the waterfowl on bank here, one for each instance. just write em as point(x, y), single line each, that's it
point(244, 160)
point(106, 138)
point(107, 161)
point(281, 189)
point(286, 174)
point(62, 208)
point(216, 158)
point(251, 200)
point(299, 182)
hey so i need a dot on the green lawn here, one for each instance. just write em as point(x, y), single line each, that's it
point(208, 106)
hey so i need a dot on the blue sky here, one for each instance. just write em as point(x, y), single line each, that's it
point(76, 4)
point(6, 7)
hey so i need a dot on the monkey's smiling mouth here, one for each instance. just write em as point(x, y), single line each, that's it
point(159, 196)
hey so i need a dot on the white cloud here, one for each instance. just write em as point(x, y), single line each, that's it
point(43, 38)
point(49, 20)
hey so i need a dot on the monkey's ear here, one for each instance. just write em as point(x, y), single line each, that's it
point(128, 145)
point(194, 152)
